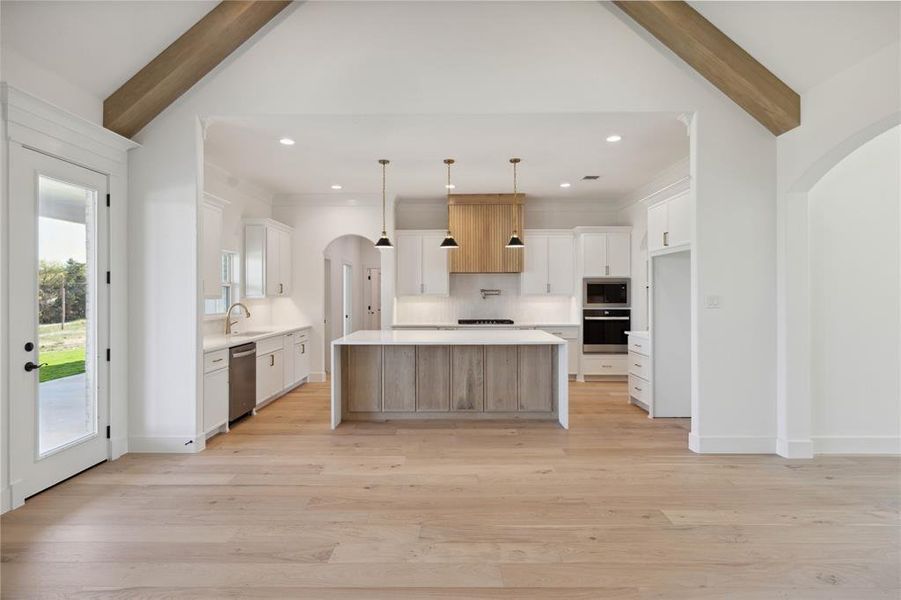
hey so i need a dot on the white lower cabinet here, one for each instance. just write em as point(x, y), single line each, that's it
point(604, 364)
point(288, 371)
point(270, 375)
point(215, 399)
point(301, 358)
point(573, 348)
point(640, 372)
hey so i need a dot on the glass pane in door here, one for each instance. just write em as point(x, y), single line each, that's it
point(67, 307)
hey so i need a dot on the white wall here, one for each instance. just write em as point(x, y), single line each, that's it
point(360, 254)
point(317, 222)
point(465, 302)
point(838, 116)
point(309, 61)
point(856, 301)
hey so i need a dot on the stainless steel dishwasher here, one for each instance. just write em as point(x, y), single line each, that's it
point(242, 380)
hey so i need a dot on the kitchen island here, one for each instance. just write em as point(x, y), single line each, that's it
point(464, 374)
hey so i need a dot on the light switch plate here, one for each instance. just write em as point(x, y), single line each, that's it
point(714, 301)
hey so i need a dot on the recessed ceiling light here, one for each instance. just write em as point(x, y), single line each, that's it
point(336, 187)
point(565, 184)
point(286, 142)
point(451, 186)
point(614, 138)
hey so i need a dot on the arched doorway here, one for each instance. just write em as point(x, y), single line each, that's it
point(352, 270)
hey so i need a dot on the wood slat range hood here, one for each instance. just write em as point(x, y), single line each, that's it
point(482, 225)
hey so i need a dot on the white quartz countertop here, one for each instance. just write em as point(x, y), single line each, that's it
point(458, 337)
point(219, 341)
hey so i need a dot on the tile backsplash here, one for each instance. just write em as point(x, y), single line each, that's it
point(465, 302)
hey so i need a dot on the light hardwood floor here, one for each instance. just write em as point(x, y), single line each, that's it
point(617, 507)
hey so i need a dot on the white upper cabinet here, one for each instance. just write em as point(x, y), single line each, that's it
point(267, 258)
point(211, 247)
point(549, 264)
point(421, 264)
point(606, 253)
point(669, 223)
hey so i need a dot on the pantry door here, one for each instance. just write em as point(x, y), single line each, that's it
point(59, 307)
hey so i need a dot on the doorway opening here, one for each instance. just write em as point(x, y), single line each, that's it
point(351, 289)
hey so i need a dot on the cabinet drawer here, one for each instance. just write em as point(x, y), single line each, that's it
point(640, 389)
point(640, 365)
point(301, 337)
point(640, 345)
point(567, 333)
point(604, 364)
point(215, 360)
point(269, 345)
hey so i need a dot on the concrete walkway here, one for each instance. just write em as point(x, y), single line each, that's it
point(66, 411)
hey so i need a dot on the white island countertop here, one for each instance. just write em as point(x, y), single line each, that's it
point(460, 337)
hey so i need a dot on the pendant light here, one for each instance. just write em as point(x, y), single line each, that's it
point(515, 240)
point(449, 242)
point(383, 242)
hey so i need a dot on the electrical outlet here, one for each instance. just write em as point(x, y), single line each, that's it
point(714, 301)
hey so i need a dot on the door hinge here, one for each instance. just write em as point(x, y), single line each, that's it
point(107, 432)
point(107, 199)
point(107, 355)
point(107, 277)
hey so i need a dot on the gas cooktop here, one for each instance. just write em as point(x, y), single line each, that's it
point(484, 321)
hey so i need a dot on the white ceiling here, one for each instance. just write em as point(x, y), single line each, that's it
point(554, 148)
point(805, 43)
point(100, 45)
point(97, 46)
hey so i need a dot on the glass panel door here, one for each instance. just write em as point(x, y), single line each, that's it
point(59, 330)
point(67, 288)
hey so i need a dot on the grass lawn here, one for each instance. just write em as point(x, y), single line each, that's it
point(61, 349)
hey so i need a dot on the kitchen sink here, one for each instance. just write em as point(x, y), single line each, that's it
point(248, 333)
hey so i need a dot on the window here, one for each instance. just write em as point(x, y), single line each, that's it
point(230, 287)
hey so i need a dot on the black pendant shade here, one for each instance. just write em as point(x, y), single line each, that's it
point(449, 242)
point(515, 242)
point(383, 241)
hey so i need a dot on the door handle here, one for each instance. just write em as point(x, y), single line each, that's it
point(30, 366)
point(303, 348)
point(272, 360)
point(666, 238)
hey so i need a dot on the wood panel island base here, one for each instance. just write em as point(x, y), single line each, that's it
point(468, 374)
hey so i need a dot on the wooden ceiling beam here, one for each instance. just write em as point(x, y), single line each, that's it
point(721, 61)
point(177, 68)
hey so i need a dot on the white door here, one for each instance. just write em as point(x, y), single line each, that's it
point(534, 279)
point(347, 295)
point(560, 265)
point(408, 252)
point(656, 226)
point(679, 220)
point(59, 304)
point(594, 255)
point(327, 327)
point(619, 254)
point(434, 265)
point(373, 299)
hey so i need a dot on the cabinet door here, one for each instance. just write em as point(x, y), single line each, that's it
point(276, 375)
point(501, 378)
point(467, 378)
point(432, 378)
point(434, 265)
point(254, 261)
point(212, 251)
point(262, 370)
point(301, 361)
point(273, 269)
point(679, 219)
point(534, 279)
point(215, 399)
point(536, 378)
point(619, 254)
point(362, 375)
point(288, 378)
point(560, 264)
point(594, 254)
point(408, 251)
point(656, 226)
point(284, 263)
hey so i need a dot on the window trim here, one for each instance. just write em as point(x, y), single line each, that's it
point(234, 284)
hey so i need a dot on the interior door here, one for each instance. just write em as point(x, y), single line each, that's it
point(373, 299)
point(59, 298)
point(347, 295)
point(327, 317)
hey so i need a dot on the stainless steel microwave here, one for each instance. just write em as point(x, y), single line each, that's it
point(606, 292)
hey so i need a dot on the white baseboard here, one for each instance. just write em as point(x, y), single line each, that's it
point(5, 500)
point(317, 377)
point(856, 444)
point(170, 445)
point(794, 448)
point(739, 444)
